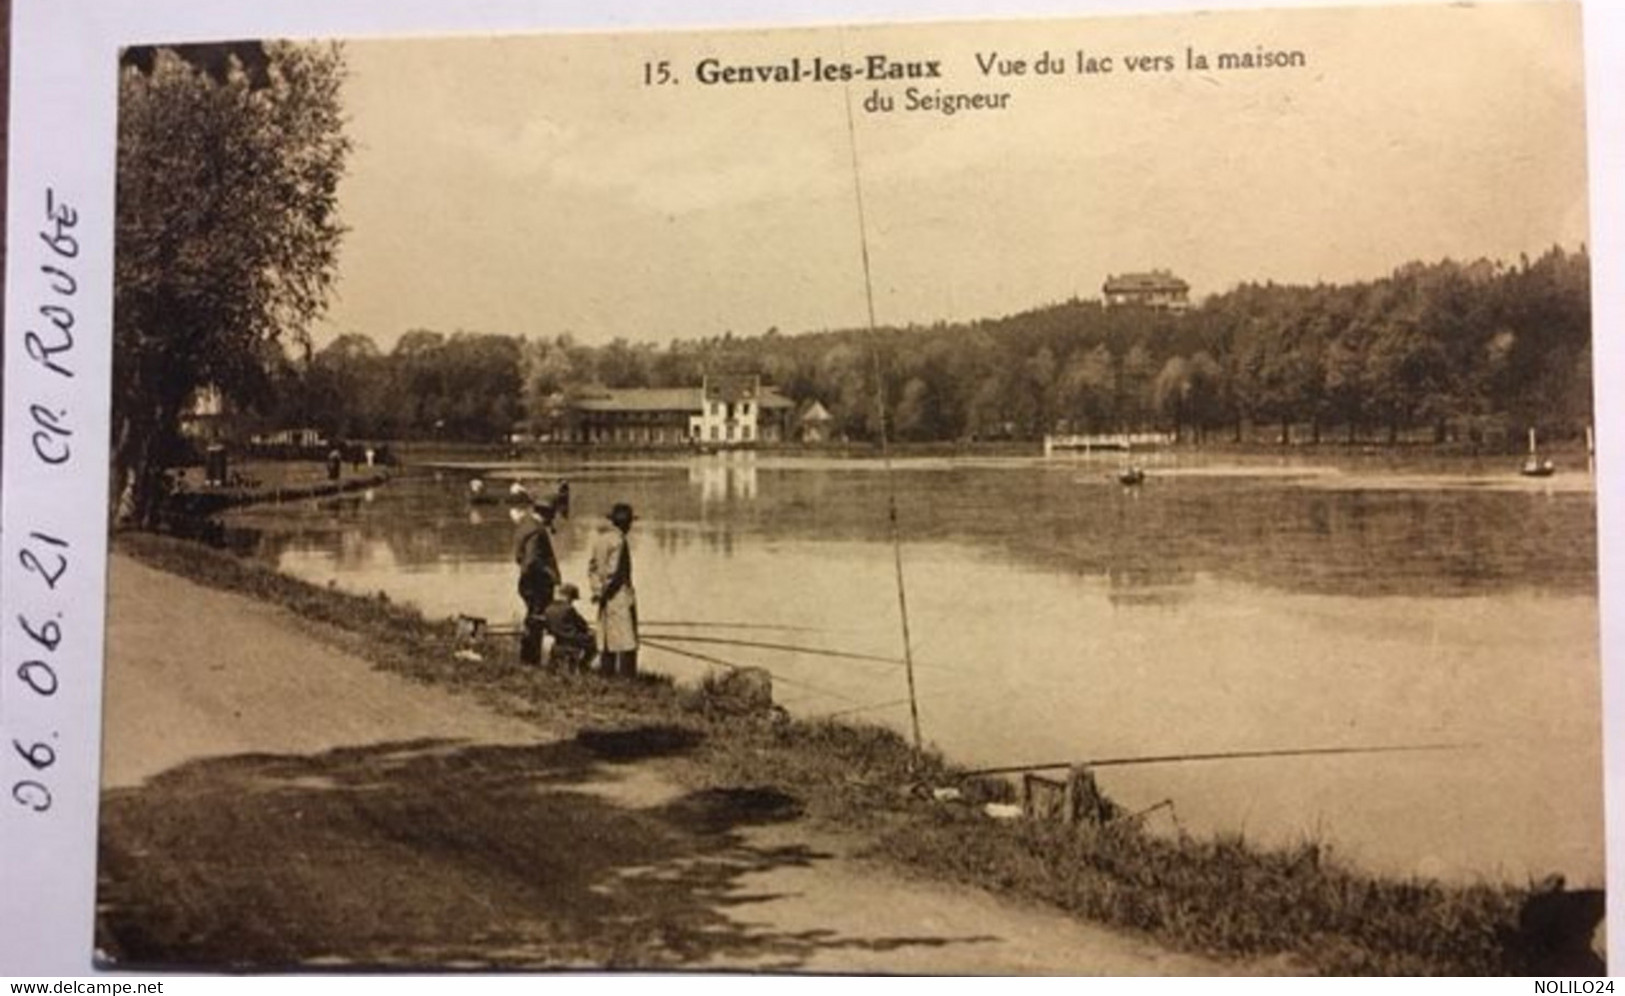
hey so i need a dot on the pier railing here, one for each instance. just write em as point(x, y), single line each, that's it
point(1106, 441)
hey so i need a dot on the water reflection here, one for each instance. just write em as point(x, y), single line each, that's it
point(1273, 535)
point(724, 477)
point(1136, 587)
point(673, 539)
point(1210, 611)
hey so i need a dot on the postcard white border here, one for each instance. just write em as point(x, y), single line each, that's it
point(62, 137)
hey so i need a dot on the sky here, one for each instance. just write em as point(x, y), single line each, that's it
point(536, 185)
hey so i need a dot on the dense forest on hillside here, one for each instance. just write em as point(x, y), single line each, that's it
point(1445, 351)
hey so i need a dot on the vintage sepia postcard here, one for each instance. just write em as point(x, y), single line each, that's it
point(1082, 495)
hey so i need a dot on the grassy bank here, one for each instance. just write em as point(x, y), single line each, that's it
point(1221, 896)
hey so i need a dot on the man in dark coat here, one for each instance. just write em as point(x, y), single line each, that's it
point(538, 575)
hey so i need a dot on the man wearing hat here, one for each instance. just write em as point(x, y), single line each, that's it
point(538, 575)
point(610, 571)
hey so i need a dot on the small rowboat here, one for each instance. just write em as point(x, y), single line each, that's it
point(1131, 476)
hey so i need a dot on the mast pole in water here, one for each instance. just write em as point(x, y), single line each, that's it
point(880, 411)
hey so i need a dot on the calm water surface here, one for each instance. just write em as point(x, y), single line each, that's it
point(1225, 605)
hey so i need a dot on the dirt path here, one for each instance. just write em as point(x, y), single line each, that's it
point(271, 801)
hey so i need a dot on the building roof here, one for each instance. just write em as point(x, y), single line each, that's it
point(1156, 280)
point(771, 398)
point(641, 399)
point(731, 387)
point(815, 412)
point(663, 399)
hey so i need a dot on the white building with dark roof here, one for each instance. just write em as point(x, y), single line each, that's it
point(724, 411)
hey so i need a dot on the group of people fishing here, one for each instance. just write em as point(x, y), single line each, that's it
point(549, 600)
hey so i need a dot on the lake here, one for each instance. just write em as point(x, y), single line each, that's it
point(1228, 604)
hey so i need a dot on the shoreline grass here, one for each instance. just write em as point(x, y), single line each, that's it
point(1221, 896)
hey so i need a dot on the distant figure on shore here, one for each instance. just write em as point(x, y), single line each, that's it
point(476, 489)
point(610, 571)
point(335, 464)
point(561, 499)
point(538, 576)
point(517, 492)
point(574, 645)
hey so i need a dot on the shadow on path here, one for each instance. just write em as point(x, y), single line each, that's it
point(439, 853)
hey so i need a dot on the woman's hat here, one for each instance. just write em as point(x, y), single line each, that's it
point(622, 512)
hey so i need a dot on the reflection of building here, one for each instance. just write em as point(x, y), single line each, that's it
point(721, 479)
point(1150, 587)
point(725, 411)
point(1157, 289)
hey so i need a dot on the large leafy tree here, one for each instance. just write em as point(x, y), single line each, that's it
point(229, 163)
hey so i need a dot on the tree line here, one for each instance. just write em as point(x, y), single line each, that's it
point(1447, 350)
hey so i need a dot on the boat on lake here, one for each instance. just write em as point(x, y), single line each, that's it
point(1534, 466)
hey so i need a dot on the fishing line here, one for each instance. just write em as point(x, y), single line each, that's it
point(794, 683)
point(1236, 755)
point(935, 696)
point(786, 647)
point(700, 624)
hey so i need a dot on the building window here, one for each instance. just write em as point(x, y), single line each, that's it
point(715, 433)
point(746, 431)
point(744, 408)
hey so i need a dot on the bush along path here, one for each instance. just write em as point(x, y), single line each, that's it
point(787, 807)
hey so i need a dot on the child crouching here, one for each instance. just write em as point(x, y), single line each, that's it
point(574, 645)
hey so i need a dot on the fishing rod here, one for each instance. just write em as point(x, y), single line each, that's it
point(794, 683)
point(880, 405)
point(703, 624)
point(509, 629)
point(788, 647)
point(1234, 755)
point(865, 708)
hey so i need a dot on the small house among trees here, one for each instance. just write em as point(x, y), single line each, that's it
point(814, 423)
point(1157, 289)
